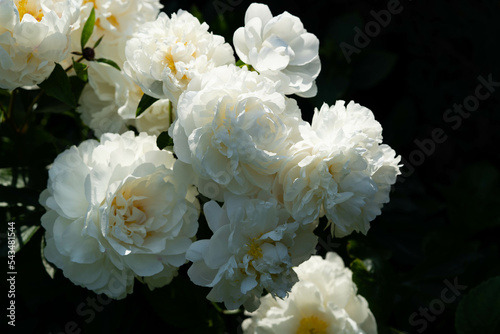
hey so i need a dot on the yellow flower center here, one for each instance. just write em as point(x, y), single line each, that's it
point(112, 19)
point(87, 1)
point(169, 59)
point(128, 214)
point(29, 7)
point(312, 325)
point(255, 251)
point(331, 170)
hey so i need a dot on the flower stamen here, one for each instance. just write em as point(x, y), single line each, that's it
point(27, 7)
point(255, 251)
point(312, 325)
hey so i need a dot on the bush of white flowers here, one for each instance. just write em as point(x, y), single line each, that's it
point(183, 138)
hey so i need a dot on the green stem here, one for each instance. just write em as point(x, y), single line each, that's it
point(71, 66)
point(29, 111)
point(8, 112)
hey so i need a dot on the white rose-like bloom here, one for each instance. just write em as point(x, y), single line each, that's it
point(34, 36)
point(324, 300)
point(116, 20)
point(109, 103)
point(164, 55)
point(157, 118)
point(116, 210)
point(279, 47)
point(254, 246)
point(232, 126)
point(340, 169)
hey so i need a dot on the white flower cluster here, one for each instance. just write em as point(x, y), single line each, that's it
point(325, 300)
point(118, 209)
point(34, 36)
point(116, 22)
point(121, 208)
point(254, 246)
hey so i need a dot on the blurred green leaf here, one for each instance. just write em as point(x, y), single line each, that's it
point(479, 310)
point(145, 102)
point(96, 44)
point(372, 276)
point(53, 109)
point(88, 28)
point(50, 269)
point(58, 86)
point(164, 140)
point(109, 62)
point(23, 236)
point(77, 86)
point(6, 177)
point(81, 70)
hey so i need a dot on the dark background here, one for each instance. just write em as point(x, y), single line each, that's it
point(442, 224)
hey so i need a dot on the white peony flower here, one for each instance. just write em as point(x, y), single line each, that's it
point(280, 48)
point(34, 35)
point(157, 118)
point(340, 168)
point(163, 56)
point(324, 300)
point(116, 210)
point(254, 246)
point(116, 20)
point(109, 103)
point(233, 126)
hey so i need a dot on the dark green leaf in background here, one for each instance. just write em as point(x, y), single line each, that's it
point(372, 276)
point(479, 310)
point(58, 86)
point(145, 102)
point(164, 140)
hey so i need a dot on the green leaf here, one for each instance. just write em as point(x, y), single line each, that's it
point(195, 11)
point(81, 70)
point(24, 235)
point(50, 269)
point(58, 86)
point(88, 28)
point(479, 310)
point(373, 276)
point(77, 86)
point(53, 109)
point(109, 62)
point(145, 102)
point(98, 41)
point(164, 140)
